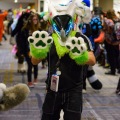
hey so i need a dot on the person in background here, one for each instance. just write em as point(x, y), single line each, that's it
point(3, 14)
point(15, 38)
point(5, 23)
point(111, 45)
point(10, 18)
point(118, 87)
point(32, 25)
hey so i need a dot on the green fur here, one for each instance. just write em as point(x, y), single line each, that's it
point(61, 50)
point(38, 53)
point(81, 59)
point(72, 33)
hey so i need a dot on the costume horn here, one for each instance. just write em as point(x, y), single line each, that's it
point(51, 9)
point(71, 9)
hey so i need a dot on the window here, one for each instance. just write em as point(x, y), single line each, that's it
point(41, 6)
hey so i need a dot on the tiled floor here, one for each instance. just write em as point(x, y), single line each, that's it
point(98, 105)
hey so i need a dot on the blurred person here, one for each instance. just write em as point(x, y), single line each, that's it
point(89, 73)
point(3, 14)
point(110, 42)
point(5, 23)
point(118, 87)
point(10, 18)
point(32, 25)
point(16, 38)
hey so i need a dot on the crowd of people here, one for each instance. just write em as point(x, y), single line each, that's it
point(103, 32)
point(108, 51)
point(19, 27)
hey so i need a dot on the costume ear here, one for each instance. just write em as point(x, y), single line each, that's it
point(51, 9)
point(86, 2)
point(71, 9)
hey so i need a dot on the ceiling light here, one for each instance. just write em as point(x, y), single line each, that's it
point(15, 1)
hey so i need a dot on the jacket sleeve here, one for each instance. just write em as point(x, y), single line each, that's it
point(4, 14)
point(22, 42)
point(88, 32)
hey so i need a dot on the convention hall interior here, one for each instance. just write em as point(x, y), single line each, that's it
point(23, 83)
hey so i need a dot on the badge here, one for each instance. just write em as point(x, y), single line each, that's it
point(54, 83)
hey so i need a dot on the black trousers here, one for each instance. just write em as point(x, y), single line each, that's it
point(29, 70)
point(118, 85)
point(70, 102)
point(20, 57)
point(85, 71)
point(43, 62)
point(112, 55)
point(5, 38)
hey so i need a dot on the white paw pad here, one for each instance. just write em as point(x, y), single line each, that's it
point(76, 45)
point(40, 39)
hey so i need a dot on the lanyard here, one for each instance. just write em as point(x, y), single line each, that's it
point(58, 72)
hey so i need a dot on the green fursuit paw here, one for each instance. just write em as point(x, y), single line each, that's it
point(78, 49)
point(39, 44)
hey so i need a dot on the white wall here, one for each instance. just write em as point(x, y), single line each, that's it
point(8, 5)
point(116, 5)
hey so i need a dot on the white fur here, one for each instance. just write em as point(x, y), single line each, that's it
point(71, 9)
point(79, 12)
point(36, 40)
point(2, 86)
point(22, 67)
point(87, 17)
point(46, 17)
point(52, 10)
point(1, 94)
point(82, 47)
point(2, 89)
point(61, 8)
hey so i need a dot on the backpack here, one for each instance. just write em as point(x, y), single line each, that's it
point(117, 30)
